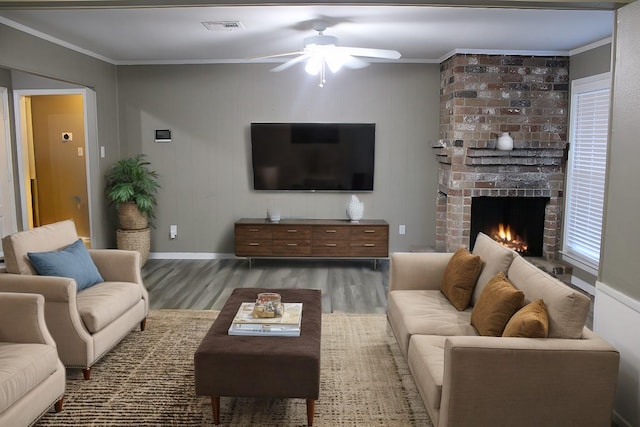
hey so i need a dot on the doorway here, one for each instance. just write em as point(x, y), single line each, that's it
point(53, 158)
point(7, 206)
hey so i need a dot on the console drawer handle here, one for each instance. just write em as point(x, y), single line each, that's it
point(331, 245)
point(330, 231)
point(369, 245)
point(292, 244)
point(292, 231)
point(253, 230)
point(369, 231)
point(254, 244)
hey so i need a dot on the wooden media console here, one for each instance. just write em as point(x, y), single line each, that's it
point(313, 238)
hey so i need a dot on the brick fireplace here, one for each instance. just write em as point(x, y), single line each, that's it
point(482, 96)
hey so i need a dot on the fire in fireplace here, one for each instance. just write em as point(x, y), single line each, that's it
point(514, 222)
point(504, 236)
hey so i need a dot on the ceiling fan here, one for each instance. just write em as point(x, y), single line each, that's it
point(322, 51)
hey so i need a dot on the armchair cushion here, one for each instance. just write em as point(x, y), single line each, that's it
point(105, 302)
point(73, 261)
point(24, 366)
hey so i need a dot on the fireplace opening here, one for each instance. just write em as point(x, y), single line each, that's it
point(514, 222)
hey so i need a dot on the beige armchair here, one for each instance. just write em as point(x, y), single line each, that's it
point(32, 378)
point(87, 323)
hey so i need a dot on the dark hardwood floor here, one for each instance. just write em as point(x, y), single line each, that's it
point(348, 286)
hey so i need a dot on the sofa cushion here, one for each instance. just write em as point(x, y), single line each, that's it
point(425, 312)
point(567, 309)
point(460, 278)
point(103, 303)
point(497, 303)
point(426, 363)
point(72, 261)
point(51, 237)
point(24, 366)
point(495, 259)
point(530, 321)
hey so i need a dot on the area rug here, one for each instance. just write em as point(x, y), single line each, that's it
point(147, 380)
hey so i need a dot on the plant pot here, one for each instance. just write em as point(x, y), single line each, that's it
point(135, 240)
point(131, 218)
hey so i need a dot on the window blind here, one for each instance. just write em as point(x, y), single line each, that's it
point(586, 171)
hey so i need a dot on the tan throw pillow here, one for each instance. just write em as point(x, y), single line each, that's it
point(460, 277)
point(531, 321)
point(497, 303)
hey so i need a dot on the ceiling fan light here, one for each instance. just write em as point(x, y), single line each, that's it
point(334, 62)
point(314, 65)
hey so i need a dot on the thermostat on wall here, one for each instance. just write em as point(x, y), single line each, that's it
point(163, 135)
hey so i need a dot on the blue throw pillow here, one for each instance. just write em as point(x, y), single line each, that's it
point(73, 261)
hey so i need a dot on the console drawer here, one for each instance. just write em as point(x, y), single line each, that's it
point(291, 247)
point(250, 231)
point(330, 248)
point(330, 233)
point(369, 249)
point(293, 232)
point(370, 234)
point(253, 247)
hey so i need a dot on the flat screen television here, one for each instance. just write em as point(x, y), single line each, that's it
point(313, 156)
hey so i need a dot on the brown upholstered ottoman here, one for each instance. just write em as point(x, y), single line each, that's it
point(245, 366)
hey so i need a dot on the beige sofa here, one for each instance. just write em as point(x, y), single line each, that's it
point(85, 324)
point(32, 378)
point(566, 379)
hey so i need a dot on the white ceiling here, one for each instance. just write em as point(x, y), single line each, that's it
point(420, 33)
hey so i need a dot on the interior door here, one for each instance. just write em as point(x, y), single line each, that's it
point(53, 158)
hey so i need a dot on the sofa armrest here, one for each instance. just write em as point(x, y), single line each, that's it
point(117, 265)
point(417, 270)
point(22, 319)
point(54, 289)
point(528, 382)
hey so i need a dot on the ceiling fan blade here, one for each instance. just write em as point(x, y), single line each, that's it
point(291, 62)
point(371, 53)
point(355, 63)
point(278, 55)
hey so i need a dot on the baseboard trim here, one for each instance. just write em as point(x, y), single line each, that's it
point(192, 255)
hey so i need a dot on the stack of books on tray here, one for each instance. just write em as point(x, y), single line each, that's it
point(287, 325)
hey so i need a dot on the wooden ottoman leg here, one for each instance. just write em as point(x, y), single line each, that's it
point(215, 406)
point(311, 407)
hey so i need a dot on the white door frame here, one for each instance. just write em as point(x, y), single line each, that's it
point(10, 197)
point(90, 133)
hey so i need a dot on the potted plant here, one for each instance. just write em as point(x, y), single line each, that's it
point(132, 187)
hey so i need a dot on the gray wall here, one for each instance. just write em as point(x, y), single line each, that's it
point(619, 266)
point(206, 171)
point(591, 62)
point(22, 52)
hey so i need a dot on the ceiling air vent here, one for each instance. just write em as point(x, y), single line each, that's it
point(223, 25)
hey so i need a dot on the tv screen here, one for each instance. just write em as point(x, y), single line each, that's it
point(313, 156)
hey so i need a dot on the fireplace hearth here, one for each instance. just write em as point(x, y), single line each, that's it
point(514, 222)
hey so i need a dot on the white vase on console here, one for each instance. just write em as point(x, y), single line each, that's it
point(355, 209)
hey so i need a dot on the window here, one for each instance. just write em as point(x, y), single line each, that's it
point(586, 170)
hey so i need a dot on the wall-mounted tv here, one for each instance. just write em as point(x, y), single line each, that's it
point(313, 156)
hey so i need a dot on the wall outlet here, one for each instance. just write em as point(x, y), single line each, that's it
point(402, 230)
point(173, 231)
